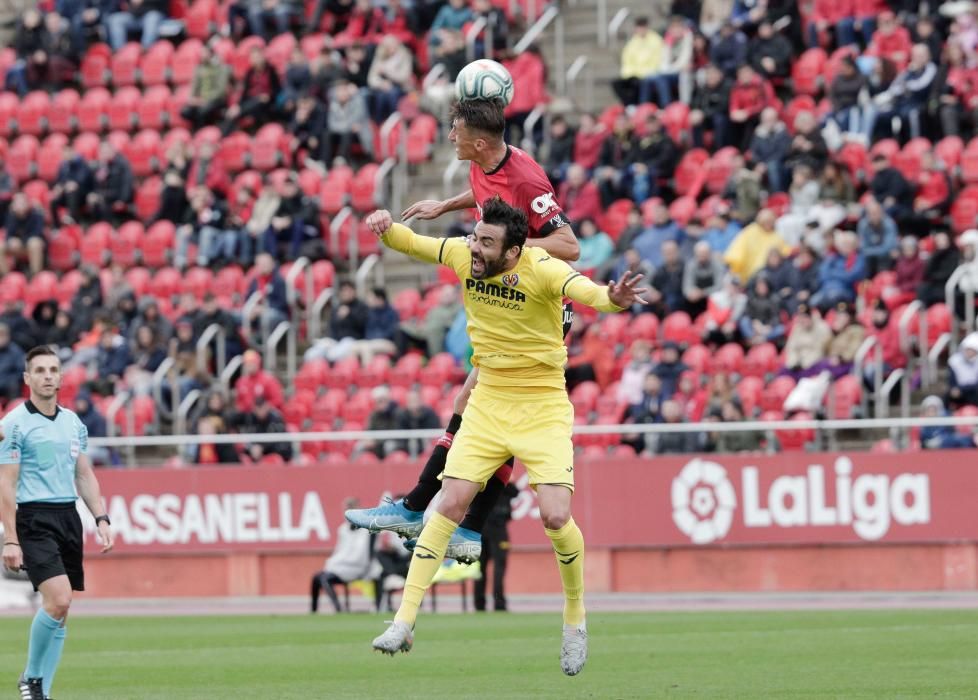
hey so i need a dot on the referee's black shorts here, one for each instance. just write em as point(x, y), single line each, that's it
point(50, 536)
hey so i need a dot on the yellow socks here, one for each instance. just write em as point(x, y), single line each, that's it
point(569, 547)
point(428, 555)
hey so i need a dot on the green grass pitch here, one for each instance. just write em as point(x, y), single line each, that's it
point(846, 655)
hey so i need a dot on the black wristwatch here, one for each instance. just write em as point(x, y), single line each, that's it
point(101, 518)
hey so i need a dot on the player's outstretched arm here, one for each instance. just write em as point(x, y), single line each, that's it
point(400, 237)
point(614, 297)
point(432, 208)
point(13, 557)
point(90, 492)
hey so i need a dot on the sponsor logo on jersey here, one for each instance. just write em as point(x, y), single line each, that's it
point(511, 280)
point(544, 203)
point(494, 290)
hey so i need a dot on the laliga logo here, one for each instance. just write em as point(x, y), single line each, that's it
point(703, 501)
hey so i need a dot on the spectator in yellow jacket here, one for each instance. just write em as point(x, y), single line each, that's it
point(748, 252)
point(641, 60)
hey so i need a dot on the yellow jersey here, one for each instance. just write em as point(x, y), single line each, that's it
point(515, 319)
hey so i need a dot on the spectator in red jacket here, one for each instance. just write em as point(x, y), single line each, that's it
point(579, 196)
point(749, 96)
point(208, 171)
point(891, 40)
point(933, 188)
point(958, 83)
point(256, 98)
point(827, 14)
point(587, 143)
point(866, 12)
point(909, 270)
point(529, 78)
point(255, 381)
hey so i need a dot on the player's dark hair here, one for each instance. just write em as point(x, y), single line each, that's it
point(496, 212)
point(38, 351)
point(481, 115)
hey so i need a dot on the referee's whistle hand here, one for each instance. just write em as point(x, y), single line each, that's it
point(13, 557)
point(379, 222)
point(106, 537)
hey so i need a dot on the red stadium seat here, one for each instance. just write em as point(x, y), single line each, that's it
point(154, 68)
point(749, 391)
point(729, 359)
point(614, 329)
point(407, 370)
point(42, 287)
point(153, 110)
point(644, 326)
point(964, 208)
point(760, 360)
point(32, 116)
point(682, 210)
point(62, 251)
point(37, 192)
point(233, 151)
point(95, 67)
point(125, 242)
point(157, 244)
point(13, 285)
point(362, 194)
point(165, 283)
point(198, 281)
point(335, 190)
point(201, 19)
point(124, 109)
point(139, 279)
point(844, 396)
point(9, 103)
point(124, 65)
point(775, 393)
point(21, 158)
point(678, 328)
point(806, 72)
point(185, 61)
point(63, 117)
point(148, 198)
point(95, 244)
point(797, 438)
point(689, 174)
point(269, 148)
point(615, 218)
point(948, 151)
point(93, 109)
point(698, 358)
point(311, 376)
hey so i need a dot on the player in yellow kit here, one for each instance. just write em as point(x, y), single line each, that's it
point(512, 298)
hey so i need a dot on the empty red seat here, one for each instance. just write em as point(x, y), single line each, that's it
point(42, 287)
point(697, 358)
point(198, 281)
point(363, 194)
point(165, 283)
point(615, 218)
point(93, 109)
point(233, 151)
point(157, 243)
point(124, 109)
point(749, 391)
point(845, 395)
point(184, 61)
point(21, 158)
point(62, 251)
point(948, 150)
point(124, 65)
point(311, 376)
point(682, 210)
point(63, 118)
point(9, 104)
point(689, 174)
point(407, 370)
point(439, 369)
point(201, 18)
point(760, 360)
point(376, 372)
point(644, 326)
point(154, 67)
point(678, 328)
point(153, 110)
point(776, 392)
point(38, 194)
point(675, 120)
point(125, 242)
point(335, 190)
point(32, 116)
point(95, 67)
point(806, 72)
point(148, 198)
point(796, 438)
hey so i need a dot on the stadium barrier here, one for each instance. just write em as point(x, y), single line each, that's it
point(795, 521)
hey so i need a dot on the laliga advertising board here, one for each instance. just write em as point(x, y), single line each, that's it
point(708, 500)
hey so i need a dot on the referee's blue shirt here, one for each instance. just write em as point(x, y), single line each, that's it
point(47, 449)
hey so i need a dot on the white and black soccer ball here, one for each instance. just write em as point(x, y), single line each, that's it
point(484, 80)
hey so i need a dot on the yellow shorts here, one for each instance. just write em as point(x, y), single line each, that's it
point(533, 427)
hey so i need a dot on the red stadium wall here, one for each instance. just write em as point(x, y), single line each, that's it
point(715, 523)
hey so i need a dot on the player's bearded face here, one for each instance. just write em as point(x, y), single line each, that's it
point(488, 257)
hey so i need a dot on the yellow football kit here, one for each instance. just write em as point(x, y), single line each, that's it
point(520, 405)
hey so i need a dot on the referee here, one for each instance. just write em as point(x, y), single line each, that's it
point(44, 468)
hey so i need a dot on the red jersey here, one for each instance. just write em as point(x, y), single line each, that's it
point(520, 182)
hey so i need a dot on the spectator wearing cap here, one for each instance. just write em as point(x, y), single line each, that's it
point(878, 238)
point(256, 97)
point(941, 264)
point(963, 374)
point(262, 419)
point(769, 147)
point(890, 188)
point(807, 342)
point(761, 321)
point(307, 127)
point(942, 437)
point(703, 274)
point(840, 272)
point(641, 60)
point(710, 108)
point(748, 251)
point(654, 157)
point(579, 196)
point(255, 381)
point(24, 239)
point(750, 94)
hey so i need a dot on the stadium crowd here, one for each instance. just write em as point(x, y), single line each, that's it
point(788, 184)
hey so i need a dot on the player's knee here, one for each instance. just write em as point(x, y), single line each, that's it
point(58, 604)
point(555, 517)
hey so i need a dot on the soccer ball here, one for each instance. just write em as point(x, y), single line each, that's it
point(484, 80)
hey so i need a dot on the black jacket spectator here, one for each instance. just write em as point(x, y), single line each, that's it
point(274, 289)
point(113, 185)
point(263, 419)
point(769, 44)
point(23, 331)
point(892, 190)
point(349, 318)
point(24, 227)
point(729, 49)
point(940, 266)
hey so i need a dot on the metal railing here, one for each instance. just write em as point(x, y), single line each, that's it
point(580, 65)
point(287, 331)
point(615, 25)
point(371, 264)
point(862, 424)
point(314, 320)
point(951, 289)
point(180, 425)
point(859, 369)
point(448, 177)
point(529, 124)
point(472, 35)
point(213, 332)
point(161, 376)
point(534, 32)
point(225, 377)
point(334, 229)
